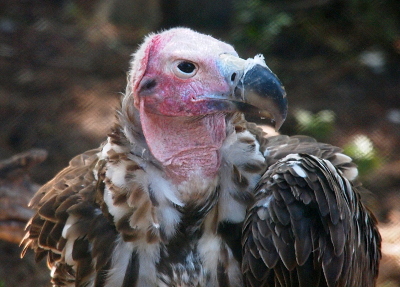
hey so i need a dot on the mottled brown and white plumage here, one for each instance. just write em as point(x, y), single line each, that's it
point(186, 192)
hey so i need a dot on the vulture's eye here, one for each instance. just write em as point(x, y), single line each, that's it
point(184, 69)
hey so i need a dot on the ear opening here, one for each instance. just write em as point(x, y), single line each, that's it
point(139, 66)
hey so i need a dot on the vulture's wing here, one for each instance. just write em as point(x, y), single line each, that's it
point(308, 226)
point(67, 218)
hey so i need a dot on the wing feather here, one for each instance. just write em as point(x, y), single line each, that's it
point(67, 225)
point(308, 227)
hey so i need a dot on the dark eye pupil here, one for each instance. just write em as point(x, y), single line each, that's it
point(186, 67)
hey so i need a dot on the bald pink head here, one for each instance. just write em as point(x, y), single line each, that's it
point(159, 82)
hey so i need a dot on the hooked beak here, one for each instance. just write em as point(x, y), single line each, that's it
point(256, 90)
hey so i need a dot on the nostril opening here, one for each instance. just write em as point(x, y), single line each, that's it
point(233, 77)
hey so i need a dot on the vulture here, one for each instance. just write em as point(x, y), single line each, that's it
point(186, 192)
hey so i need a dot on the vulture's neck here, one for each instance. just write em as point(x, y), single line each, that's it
point(188, 148)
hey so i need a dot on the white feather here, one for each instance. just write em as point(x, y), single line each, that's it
point(162, 187)
point(230, 210)
point(120, 260)
point(350, 173)
point(341, 158)
point(148, 256)
point(71, 220)
point(210, 249)
point(68, 251)
point(299, 171)
point(116, 172)
point(234, 271)
point(169, 217)
point(110, 146)
point(116, 211)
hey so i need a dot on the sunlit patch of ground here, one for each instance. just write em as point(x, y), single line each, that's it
point(389, 272)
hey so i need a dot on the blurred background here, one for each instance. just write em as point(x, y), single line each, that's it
point(63, 66)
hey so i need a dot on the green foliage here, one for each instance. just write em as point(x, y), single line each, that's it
point(364, 154)
point(258, 23)
point(319, 125)
point(389, 283)
point(344, 27)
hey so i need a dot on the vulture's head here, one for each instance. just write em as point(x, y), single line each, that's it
point(182, 88)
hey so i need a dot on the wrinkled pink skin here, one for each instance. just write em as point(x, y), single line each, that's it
point(186, 146)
